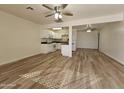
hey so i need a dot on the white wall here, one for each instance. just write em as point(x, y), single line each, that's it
point(87, 40)
point(74, 39)
point(70, 42)
point(112, 40)
point(19, 38)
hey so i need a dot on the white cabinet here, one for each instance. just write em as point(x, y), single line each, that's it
point(65, 50)
point(47, 48)
point(46, 34)
point(58, 45)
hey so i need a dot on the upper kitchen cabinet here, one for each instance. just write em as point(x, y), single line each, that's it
point(60, 33)
point(46, 34)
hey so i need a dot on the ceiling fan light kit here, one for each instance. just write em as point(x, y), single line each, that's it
point(89, 30)
point(58, 16)
point(57, 12)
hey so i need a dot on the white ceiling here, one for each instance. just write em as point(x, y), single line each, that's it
point(98, 26)
point(79, 11)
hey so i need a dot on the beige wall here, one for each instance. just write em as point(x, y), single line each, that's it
point(19, 38)
point(87, 40)
point(112, 40)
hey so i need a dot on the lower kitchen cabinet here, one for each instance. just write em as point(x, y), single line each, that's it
point(47, 48)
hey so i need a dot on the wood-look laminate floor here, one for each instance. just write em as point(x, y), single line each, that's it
point(86, 69)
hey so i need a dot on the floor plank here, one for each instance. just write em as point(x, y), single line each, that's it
point(87, 69)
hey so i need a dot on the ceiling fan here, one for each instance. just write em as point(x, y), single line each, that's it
point(57, 11)
point(88, 28)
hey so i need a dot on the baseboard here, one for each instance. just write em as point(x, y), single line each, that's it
point(86, 48)
point(116, 59)
point(18, 59)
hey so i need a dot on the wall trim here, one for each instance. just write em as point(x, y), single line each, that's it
point(18, 59)
point(116, 59)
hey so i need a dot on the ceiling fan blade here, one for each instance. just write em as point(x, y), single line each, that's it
point(68, 14)
point(59, 20)
point(46, 6)
point(49, 15)
point(64, 6)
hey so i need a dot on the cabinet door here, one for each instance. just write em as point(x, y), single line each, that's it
point(58, 45)
point(44, 34)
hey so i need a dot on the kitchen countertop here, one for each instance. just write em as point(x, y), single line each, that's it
point(62, 42)
point(54, 40)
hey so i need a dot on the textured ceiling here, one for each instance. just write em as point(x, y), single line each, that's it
point(79, 11)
